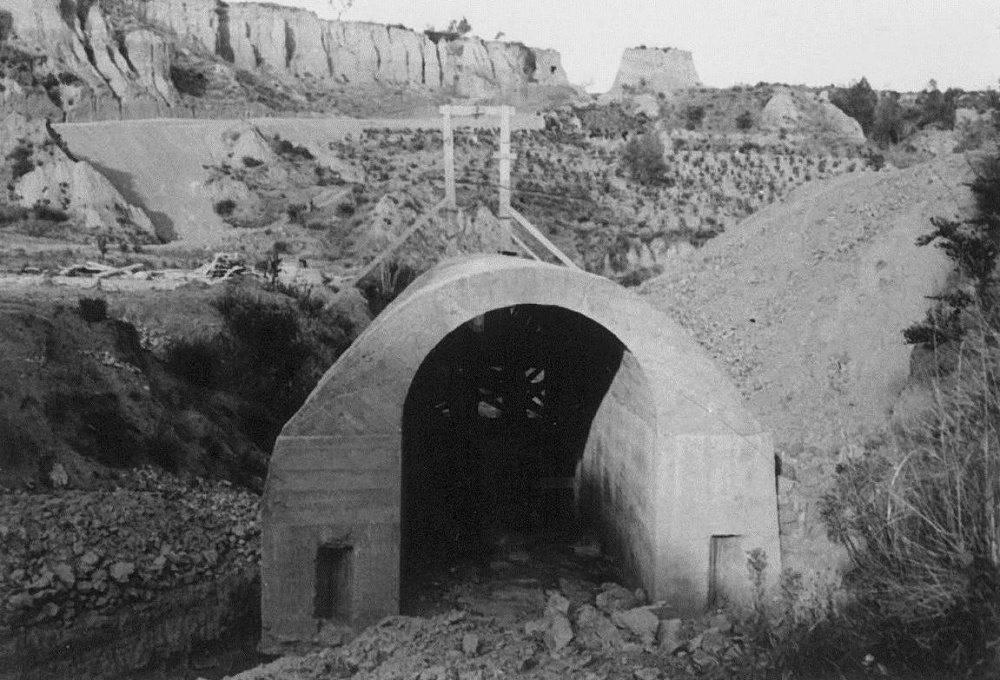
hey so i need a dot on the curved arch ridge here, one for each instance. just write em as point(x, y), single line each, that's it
point(676, 475)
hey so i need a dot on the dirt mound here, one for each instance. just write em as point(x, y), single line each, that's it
point(804, 302)
point(804, 305)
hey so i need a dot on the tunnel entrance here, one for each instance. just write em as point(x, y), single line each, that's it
point(501, 397)
point(495, 425)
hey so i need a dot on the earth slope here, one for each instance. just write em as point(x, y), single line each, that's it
point(804, 302)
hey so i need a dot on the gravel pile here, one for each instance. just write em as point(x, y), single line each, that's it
point(65, 555)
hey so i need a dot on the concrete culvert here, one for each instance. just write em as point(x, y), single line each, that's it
point(494, 430)
point(499, 396)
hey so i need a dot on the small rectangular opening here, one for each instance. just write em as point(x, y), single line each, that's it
point(728, 579)
point(334, 573)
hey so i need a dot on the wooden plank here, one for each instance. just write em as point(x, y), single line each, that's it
point(524, 246)
point(475, 111)
point(399, 240)
point(540, 237)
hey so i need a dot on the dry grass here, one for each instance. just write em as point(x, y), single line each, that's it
point(920, 517)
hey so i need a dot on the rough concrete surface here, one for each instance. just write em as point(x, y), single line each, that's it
point(334, 479)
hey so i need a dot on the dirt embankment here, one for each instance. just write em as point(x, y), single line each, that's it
point(804, 305)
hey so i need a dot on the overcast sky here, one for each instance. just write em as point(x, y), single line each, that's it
point(896, 44)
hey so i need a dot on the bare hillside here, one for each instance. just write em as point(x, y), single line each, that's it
point(805, 301)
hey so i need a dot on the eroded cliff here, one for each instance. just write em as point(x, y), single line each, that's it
point(126, 58)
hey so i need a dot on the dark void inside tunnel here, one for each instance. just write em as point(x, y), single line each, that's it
point(495, 425)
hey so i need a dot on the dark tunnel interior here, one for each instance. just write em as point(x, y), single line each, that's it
point(494, 425)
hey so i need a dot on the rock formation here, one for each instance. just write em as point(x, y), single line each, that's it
point(656, 70)
point(95, 66)
point(295, 42)
point(56, 181)
point(799, 111)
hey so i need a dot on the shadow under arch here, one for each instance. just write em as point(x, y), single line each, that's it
point(686, 510)
point(501, 440)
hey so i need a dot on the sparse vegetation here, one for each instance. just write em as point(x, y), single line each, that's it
point(225, 207)
point(189, 81)
point(643, 158)
point(93, 309)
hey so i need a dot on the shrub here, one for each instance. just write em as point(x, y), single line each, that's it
point(225, 207)
point(386, 284)
point(858, 102)
point(888, 125)
point(197, 361)
point(744, 121)
point(21, 157)
point(694, 116)
point(251, 162)
point(48, 213)
point(9, 214)
point(291, 152)
point(188, 81)
point(643, 159)
point(93, 309)
point(919, 519)
point(6, 25)
point(799, 633)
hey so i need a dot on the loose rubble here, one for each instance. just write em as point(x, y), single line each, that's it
point(543, 616)
point(70, 553)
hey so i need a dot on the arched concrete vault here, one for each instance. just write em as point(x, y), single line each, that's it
point(681, 476)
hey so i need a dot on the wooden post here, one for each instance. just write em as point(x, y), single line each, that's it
point(506, 157)
point(449, 158)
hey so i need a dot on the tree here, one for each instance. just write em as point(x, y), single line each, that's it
point(461, 26)
point(938, 108)
point(643, 159)
point(858, 102)
point(888, 126)
point(744, 121)
point(341, 6)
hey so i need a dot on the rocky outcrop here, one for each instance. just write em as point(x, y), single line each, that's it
point(127, 64)
point(799, 111)
point(88, 68)
point(296, 43)
point(656, 70)
point(78, 189)
point(55, 181)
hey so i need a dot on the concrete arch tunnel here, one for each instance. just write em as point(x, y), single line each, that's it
point(674, 475)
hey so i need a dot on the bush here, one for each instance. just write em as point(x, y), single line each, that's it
point(858, 102)
point(291, 152)
point(694, 116)
point(643, 159)
point(188, 81)
point(888, 125)
point(225, 207)
point(21, 157)
point(50, 214)
point(93, 309)
point(744, 121)
point(919, 519)
point(6, 25)
point(197, 361)
point(385, 285)
point(9, 214)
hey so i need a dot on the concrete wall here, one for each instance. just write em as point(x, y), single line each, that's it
point(616, 471)
point(707, 468)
